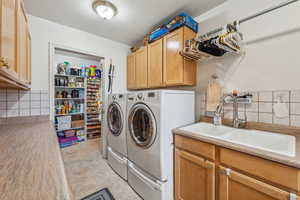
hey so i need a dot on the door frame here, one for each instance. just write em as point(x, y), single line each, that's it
point(52, 47)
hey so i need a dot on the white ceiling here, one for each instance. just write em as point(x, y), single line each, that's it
point(135, 17)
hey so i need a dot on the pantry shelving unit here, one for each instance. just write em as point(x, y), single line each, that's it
point(75, 101)
point(93, 108)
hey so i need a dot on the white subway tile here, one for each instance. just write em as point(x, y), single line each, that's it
point(3, 105)
point(228, 106)
point(252, 116)
point(24, 112)
point(266, 96)
point(12, 91)
point(253, 107)
point(35, 104)
point(254, 96)
point(35, 91)
point(45, 97)
point(284, 96)
point(45, 111)
point(295, 96)
point(45, 104)
point(12, 113)
point(228, 114)
point(12, 105)
point(202, 97)
point(25, 96)
point(266, 117)
point(295, 108)
point(35, 112)
point(265, 107)
point(24, 104)
point(3, 95)
point(12, 96)
point(282, 121)
point(35, 96)
point(295, 120)
point(241, 107)
point(3, 113)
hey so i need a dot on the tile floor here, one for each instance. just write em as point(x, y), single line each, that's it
point(88, 172)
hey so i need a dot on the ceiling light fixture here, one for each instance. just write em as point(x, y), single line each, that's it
point(105, 9)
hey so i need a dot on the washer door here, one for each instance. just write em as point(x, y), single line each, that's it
point(142, 125)
point(115, 119)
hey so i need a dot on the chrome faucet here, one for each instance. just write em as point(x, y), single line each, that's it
point(236, 121)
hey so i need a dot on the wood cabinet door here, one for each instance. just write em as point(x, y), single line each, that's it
point(194, 177)
point(28, 65)
point(236, 186)
point(131, 82)
point(22, 42)
point(8, 34)
point(190, 67)
point(155, 64)
point(141, 67)
point(173, 61)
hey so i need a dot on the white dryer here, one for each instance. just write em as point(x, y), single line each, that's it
point(116, 138)
point(151, 117)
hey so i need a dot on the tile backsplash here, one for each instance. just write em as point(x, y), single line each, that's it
point(262, 107)
point(18, 103)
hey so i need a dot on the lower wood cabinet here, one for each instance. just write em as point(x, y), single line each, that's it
point(236, 186)
point(195, 177)
point(230, 175)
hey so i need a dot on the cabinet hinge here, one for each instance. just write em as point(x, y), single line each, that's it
point(228, 172)
point(293, 196)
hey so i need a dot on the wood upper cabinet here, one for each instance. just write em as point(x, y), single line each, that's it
point(8, 36)
point(22, 43)
point(131, 83)
point(160, 64)
point(178, 70)
point(194, 177)
point(236, 186)
point(155, 64)
point(15, 46)
point(141, 68)
point(173, 61)
point(28, 55)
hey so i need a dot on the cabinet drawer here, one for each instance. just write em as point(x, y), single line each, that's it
point(195, 146)
point(271, 171)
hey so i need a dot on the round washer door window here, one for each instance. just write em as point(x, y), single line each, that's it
point(142, 125)
point(115, 119)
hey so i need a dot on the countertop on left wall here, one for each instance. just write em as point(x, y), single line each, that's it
point(31, 166)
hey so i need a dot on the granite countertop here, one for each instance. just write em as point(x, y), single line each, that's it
point(31, 165)
point(286, 160)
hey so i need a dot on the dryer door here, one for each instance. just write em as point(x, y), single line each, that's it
point(115, 119)
point(142, 125)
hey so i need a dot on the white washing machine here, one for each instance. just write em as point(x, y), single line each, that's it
point(116, 138)
point(151, 117)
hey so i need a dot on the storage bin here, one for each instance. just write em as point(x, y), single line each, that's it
point(77, 124)
point(183, 19)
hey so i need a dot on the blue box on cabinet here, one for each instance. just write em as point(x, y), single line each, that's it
point(183, 19)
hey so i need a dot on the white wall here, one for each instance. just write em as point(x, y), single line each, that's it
point(43, 32)
point(272, 54)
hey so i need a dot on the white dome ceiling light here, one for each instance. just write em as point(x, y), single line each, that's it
point(105, 9)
